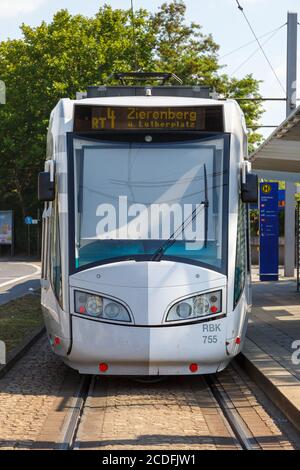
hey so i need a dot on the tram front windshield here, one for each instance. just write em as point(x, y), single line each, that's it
point(131, 198)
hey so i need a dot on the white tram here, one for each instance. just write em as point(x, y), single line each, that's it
point(145, 258)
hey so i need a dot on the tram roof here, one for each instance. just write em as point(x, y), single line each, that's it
point(148, 101)
point(63, 113)
point(279, 156)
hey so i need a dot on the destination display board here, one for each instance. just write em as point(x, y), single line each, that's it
point(269, 232)
point(130, 118)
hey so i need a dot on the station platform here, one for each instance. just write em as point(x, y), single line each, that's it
point(270, 354)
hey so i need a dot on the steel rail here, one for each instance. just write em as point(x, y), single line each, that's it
point(74, 417)
point(237, 425)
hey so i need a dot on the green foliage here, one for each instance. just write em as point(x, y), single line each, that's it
point(55, 60)
point(20, 318)
point(182, 48)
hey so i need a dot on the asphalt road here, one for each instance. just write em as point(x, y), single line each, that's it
point(17, 278)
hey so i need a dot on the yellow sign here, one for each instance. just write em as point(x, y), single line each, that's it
point(147, 118)
point(266, 188)
point(92, 118)
point(130, 118)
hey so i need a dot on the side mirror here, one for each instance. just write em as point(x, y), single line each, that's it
point(250, 188)
point(46, 187)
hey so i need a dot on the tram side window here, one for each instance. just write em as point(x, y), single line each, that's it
point(241, 256)
point(55, 254)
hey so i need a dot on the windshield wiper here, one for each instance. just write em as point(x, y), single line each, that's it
point(159, 253)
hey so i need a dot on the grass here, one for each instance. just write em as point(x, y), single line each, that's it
point(19, 318)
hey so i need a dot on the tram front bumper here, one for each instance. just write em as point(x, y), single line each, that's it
point(160, 350)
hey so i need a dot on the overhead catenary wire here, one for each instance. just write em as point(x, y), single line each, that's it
point(251, 42)
point(258, 49)
point(260, 45)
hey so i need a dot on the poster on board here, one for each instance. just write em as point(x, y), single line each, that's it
point(6, 227)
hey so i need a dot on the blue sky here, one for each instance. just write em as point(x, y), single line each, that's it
point(219, 17)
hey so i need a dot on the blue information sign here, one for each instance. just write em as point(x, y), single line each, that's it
point(28, 220)
point(269, 232)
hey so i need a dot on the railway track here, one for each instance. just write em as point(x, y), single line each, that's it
point(45, 405)
point(244, 439)
point(87, 387)
point(237, 425)
point(73, 420)
point(228, 427)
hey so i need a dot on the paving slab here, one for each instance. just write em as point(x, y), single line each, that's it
point(270, 352)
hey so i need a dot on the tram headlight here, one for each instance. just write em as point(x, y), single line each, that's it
point(197, 306)
point(100, 307)
point(184, 310)
point(115, 311)
point(94, 305)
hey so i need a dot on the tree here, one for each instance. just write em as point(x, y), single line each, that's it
point(182, 48)
point(185, 50)
point(55, 60)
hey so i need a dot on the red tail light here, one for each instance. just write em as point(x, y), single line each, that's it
point(103, 367)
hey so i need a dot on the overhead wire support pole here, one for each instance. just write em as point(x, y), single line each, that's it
point(291, 78)
point(291, 94)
